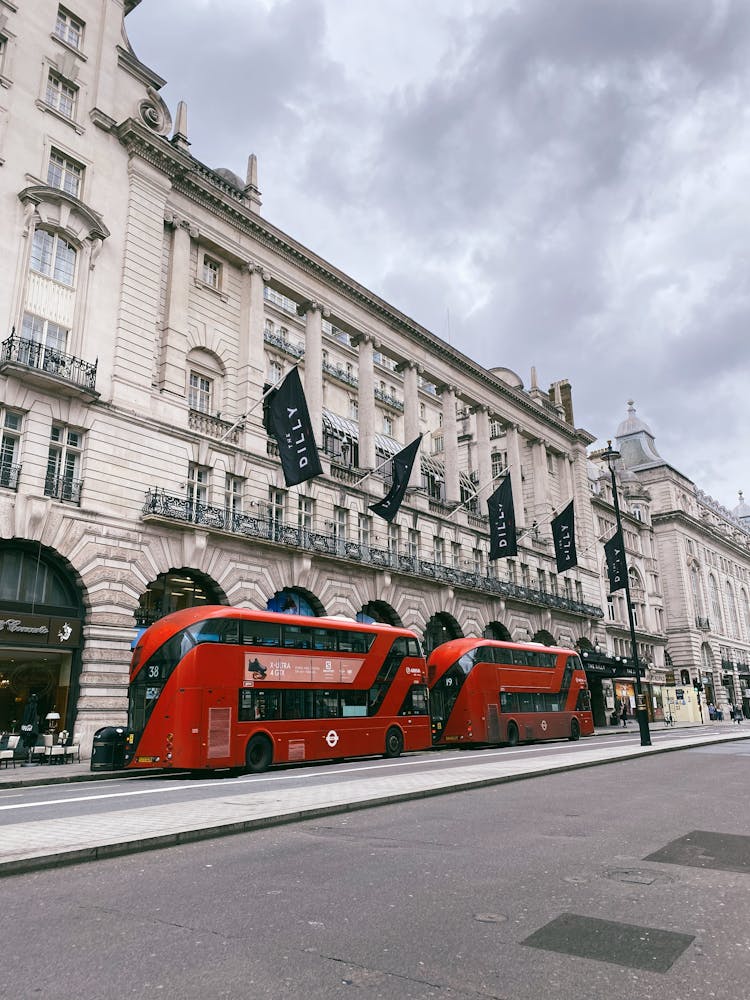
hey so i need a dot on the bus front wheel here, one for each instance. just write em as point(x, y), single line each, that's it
point(575, 730)
point(394, 743)
point(513, 734)
point(258, 755)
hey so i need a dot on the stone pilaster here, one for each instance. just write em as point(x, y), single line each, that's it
point(366, 403)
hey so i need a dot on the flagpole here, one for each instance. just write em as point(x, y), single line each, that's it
point(255, 406)
point(383, 464)
point(476, 493)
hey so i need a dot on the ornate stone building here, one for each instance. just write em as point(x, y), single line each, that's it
point(147, 307)
point(702, 553)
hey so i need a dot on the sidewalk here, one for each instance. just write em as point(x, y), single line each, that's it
point(23, 775)
point(250, 804)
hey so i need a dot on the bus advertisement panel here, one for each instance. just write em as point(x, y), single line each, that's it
point(486, 691)
point(216, 687)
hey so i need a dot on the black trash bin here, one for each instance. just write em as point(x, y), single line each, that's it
point(108, 750)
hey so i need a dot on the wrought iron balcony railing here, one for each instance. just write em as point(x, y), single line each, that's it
point(340, 373)
point(389, 400)
point(276, 340)
point(63, 488)
point(158, 503)
point(30, 354)
point(9, 475)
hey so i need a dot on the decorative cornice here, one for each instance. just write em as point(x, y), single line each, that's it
point(39, 193)
point(203, 186)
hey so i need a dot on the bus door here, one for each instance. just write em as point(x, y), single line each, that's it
point(216, 731)
point(492, 715)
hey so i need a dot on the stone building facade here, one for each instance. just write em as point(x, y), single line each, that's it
point(148, 308)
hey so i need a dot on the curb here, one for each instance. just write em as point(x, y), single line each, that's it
point(142, 844)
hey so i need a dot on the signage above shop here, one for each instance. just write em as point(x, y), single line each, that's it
point(17, 629)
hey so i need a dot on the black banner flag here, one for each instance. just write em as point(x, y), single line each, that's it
point(289, 423)
point(403, 462)
point(614, 552)
point(564, 537)
point(502, 521)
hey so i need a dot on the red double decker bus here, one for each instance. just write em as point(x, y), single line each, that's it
point(221, 687)
point(484, 691)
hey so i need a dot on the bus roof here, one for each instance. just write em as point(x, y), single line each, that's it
point(457, 647)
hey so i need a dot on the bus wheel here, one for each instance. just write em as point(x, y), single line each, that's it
point(394, 742)
point(513, 734)
point(575, 730)
point(258, 755)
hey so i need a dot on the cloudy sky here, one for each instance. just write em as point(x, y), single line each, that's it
point(558, 183)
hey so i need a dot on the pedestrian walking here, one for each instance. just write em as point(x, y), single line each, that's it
point(624, 712)
point(737, 714)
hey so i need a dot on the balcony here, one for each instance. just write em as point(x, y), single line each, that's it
point(340, 373)
point(214, 427)
point(276, 340)
point(64, 489)
point(9, 475)
point(159, 505)
point(703, 624)
point(47, 367)
point(389, 400)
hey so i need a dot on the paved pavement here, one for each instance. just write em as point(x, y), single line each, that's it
point(27, 846)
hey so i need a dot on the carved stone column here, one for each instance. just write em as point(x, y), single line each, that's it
point(450, 446)
point(174, 336)
point(366, 403)
point(313, 313)
point(484, 455)
point(516, 482)
point(411, 418)
point(252, 374)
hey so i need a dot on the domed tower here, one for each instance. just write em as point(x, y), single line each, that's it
point(742, 512)
point(635, 441)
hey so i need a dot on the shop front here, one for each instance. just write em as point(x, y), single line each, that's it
point(612, 679)
point(41, 620)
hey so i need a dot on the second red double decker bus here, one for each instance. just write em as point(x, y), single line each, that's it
point(219, 687)
point(486, 691)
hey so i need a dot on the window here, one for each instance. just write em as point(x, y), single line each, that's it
point(305, 508)
point(499, 463)
point(200, 392)
point(715, 603)
point(197, 484)
point(64, 173)
point(211, 272)
point(438, 551)
point(550, 463)
point(276, 506)
point(68, 28)
point(388, 424)
point(53, 257)
point(478, 561)
point(496, 428)
point(10, 447)
point(64, 464)
point(364, 526)
point(524, 575)
point(275, 371)
point(394, 538)
point(413, 544)
point(234, 488)
point(353, 408)
point(60, 95)
point(456, 555)
point(340, 515)
point(422, 411)
point(43, 344)
point(437, 444)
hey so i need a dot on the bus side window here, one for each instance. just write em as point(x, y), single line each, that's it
point(525, 701)
point(323, 638)
point(261, 634)
point(297, 637)
point(354, 642)
point(217, 630)
point(326, 704)
point(413, 647)
point(297, 704)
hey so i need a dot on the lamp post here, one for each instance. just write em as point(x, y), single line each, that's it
point(641, 712)
point(52, 718)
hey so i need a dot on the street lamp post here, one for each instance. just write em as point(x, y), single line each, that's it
point(641, 712)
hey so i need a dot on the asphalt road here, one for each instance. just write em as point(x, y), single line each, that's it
point(480, 894)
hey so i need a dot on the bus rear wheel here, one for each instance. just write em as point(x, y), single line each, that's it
point(513, 734)
point(258, 755)
point(575, 731)
point(394, 742)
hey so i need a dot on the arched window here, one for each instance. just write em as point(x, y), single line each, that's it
point(695, 585)
point(745, 609)
point(734, 624)
point(715, 604)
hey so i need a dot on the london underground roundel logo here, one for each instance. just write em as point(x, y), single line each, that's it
point(544, 725)
point(332, 738)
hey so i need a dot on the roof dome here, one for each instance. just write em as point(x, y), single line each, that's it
point(632, 424)
point(230, 177)
point(635, 441)
point(742, 511)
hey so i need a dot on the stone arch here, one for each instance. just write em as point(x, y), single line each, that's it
point(496, 630)
point(175, 590)
point(42, 590)
point(379, 611)
point(545, 637)
point(440, 628)
point(296, 601)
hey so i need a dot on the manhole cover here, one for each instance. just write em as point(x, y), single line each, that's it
point(638, 876)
